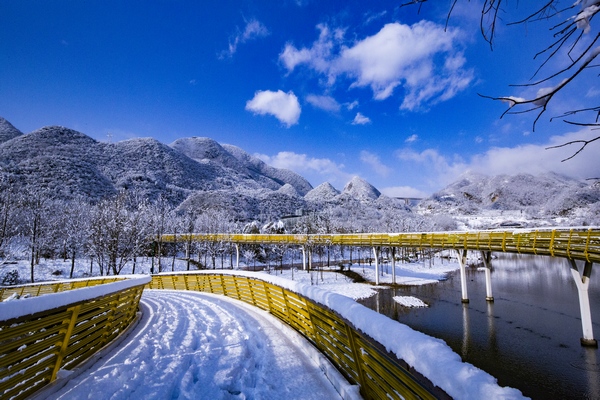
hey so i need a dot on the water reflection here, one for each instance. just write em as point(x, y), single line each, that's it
point(465, 344)
point(491, 331)
point(527, 338)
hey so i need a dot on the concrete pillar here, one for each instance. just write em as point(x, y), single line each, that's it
point(376, 265)
point(582, 281)
point(394, 265)
point(462, 261)
point(237, 256)
point(488, 276)
point(303, 258)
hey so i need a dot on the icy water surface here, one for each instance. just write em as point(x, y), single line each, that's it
point(528, 337)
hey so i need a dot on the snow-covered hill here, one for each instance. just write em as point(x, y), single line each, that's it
point(522, 199)
point(68, 164)
point(324, 192)
point(361, 190)
point(208, 151)
point(7, 131)
point(197, 173)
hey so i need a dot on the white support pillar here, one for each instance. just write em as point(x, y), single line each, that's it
point(303, 258)
point(488, 277)
point(394, 265)
point(237, 256)
point(582, 281)
point(376, 265)
point(462, 261)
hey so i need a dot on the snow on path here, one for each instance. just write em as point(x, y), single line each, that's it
point(192, 345)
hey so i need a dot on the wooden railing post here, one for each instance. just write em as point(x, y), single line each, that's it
point(109, 321)
point(356, 353)
point(66, 331)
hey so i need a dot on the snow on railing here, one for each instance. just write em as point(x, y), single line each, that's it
point(52, 331)
point(386, 358)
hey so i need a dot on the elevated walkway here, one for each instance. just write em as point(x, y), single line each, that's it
point(575, 244)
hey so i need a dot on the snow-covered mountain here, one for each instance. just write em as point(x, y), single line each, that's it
point(324, 192)
point(67, 163)
point(256, 166)
point(208, 151)
point(361, 190)
point(517, 199)
point(200, 174)
point(7, 131)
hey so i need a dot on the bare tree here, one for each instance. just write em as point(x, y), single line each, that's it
point(76, 226)
point(118, 231)
point(8, 212)
point(573, 38)
point(158, 214)
point(212, 221)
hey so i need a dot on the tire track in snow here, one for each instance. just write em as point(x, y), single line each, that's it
point(192, 345)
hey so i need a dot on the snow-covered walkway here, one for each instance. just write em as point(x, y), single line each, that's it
point(191, 345)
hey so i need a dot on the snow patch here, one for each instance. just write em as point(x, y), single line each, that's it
point(409, 301)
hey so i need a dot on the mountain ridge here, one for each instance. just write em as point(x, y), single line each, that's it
point(200, 173)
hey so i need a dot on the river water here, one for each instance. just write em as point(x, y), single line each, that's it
point(528, 338)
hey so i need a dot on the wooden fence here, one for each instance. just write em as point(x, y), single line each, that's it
point(34, 347)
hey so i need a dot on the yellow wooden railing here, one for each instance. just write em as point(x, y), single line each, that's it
point(34, 347)
point(360, 359)
point(52, 287)
point(571, 243)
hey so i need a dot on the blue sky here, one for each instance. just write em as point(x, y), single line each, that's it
point(327, 89)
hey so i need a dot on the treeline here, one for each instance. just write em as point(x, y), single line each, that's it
point(120, 228)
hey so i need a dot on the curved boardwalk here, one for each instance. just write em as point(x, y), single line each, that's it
point(196, 345)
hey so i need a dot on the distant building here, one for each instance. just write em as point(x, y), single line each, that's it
point(410, 201)
point(290, 221)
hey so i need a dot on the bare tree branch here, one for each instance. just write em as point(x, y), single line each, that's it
point(569, 41)
point(583, 146)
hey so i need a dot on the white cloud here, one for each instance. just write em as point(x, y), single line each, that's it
point(254, 29)
point(403, 191)
point(283, 106)
point(592, 92)
point(351, 106)
point(326, 103)
point(360, 119)
point(440, 170)
point(423, 59)
point(370, 16)
point(319, 168)
point(375, 163)
point(319, 56)
point(412, 138)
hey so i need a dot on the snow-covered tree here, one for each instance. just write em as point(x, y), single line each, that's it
point(34, 215)
point(212, 221)
point(118, 231)
point(158, 214)
point(8, 212)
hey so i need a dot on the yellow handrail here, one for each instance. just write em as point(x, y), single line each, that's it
point(38, 289)
point(359, 358)
point(572, 243)
point(34, 347)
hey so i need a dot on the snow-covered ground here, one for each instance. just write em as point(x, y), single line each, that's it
point(406, 274)
point(415, 273)
point(191, 345)
point(196, 345)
